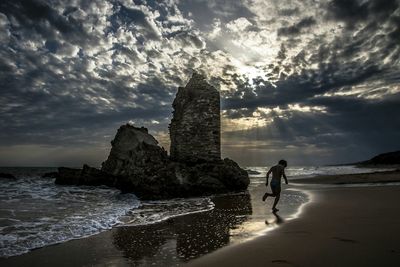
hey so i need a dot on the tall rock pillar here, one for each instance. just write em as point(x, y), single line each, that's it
point(195, 128)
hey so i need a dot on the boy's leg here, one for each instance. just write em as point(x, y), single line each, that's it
point(277, 197)
point(268, 194)
point(265, 196)
point(276, 202)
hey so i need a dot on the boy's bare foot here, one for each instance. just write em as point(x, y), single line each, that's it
point(264, 197)
point(275, 210)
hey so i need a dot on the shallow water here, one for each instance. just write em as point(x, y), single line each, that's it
point(34, 212)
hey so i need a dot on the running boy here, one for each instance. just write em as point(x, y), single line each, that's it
point(277, 172)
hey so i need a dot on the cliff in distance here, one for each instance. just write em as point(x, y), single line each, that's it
point(389, 158)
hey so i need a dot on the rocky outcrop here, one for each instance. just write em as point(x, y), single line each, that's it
point(137, 163)
point(7, 176)
point(134, 152)
point(68, 176)
point(50, 175)
point(140, 163)
point(144, 167)
point(195, 127)
point(85, 176)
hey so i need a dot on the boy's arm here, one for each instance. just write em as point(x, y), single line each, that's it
point(268, 173)
point(284, 177)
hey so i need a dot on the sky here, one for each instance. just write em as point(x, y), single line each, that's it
point(312, 81)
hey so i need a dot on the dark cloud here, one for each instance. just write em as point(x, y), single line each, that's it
point(320, 83)
point(133, 19)
point(41, 18)
point(355, 11)
point(297, 27)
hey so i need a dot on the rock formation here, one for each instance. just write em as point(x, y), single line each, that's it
point(85, 176)
point(133, 152)
point(389, 158)
point(50, 175)
point(137, 163)
point(7, 176)
point(195, 129)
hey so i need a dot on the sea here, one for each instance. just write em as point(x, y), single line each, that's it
point(35, 212)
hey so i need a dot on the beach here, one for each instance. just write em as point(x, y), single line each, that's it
point(318, 225)
point(341, 226)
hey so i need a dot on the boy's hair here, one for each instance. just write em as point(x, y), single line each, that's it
point(283, 162)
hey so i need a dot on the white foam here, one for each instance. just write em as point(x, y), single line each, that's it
point(157, 211)
point(294, 172)
point(34, 212)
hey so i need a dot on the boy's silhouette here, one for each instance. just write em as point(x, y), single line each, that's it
point(277, 172)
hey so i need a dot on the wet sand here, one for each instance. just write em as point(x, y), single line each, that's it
point(340, 227)
point(359, 178)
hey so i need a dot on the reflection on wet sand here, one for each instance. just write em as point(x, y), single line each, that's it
point(186, 237)
point(277, 221)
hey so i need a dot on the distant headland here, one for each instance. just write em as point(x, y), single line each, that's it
point(389, 158)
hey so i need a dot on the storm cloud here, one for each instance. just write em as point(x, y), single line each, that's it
point(314, 82)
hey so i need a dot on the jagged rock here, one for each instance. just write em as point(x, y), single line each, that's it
point(85, 176)
point(7, 176)
point(229, 175)
point(68, 176)
point(142, 166)
point(233, 177)
point(50, 175)
point(93, 176)
point(196, 125)
point(134, 151)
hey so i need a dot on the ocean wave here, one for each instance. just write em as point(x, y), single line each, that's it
point(156, 211)
point(34, 212)
point(294, 172)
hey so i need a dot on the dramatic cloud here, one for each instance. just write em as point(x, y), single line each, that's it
point(314, 82)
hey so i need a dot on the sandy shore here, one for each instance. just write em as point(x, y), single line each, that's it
point(359, 178)
point(340, 227)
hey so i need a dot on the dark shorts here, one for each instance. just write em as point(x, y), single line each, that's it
point(275, 187)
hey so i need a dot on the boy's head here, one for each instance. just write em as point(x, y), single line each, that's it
point(283, 163)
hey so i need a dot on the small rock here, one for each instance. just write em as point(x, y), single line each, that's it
point(7, 176)
point(68, 176)
point(50, 175)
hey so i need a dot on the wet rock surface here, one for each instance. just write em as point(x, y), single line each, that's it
point(50, 175)
point(137, 163)
point(68, 176)
point(7, 176)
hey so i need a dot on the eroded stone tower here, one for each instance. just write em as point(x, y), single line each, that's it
point(195, 128)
